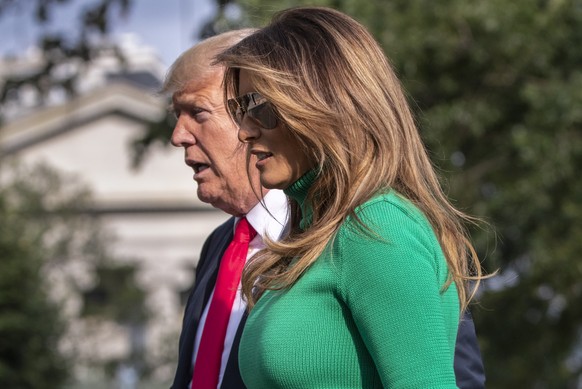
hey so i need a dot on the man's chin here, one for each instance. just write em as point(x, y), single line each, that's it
point(214, 199)
point(206, 197)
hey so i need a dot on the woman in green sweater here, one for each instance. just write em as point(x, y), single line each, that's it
point(366, 289)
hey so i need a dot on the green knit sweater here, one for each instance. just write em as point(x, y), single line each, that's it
point(371, 315)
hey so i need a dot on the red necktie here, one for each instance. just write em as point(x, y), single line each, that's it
point(209, 356)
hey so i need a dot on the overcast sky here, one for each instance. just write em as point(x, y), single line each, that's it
point(168, 26)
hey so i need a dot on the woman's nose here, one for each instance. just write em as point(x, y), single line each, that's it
point(248, 131)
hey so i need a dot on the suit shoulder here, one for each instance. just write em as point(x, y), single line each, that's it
point(225, 228)
point(218, 235)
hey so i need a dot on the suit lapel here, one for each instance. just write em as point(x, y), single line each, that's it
point(207, 278)
point(209, 262)
point(232, 378)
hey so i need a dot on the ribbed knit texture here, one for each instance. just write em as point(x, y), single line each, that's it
point(369, 313)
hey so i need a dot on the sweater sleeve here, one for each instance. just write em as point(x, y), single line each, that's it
point(392, 285)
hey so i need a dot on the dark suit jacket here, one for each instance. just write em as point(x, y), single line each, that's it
point(468, 365)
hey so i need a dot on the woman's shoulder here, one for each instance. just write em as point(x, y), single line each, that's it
point(393, 208)
point(387, 220)
point(389, 232)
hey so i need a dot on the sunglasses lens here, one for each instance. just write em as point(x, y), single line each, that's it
point(264, 114)
point(234, 110)
point(254, 105)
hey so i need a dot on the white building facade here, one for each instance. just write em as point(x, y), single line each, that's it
point(157, 222)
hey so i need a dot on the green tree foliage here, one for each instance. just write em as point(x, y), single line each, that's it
point(66, 49)
point(116, 296)
point(46, 231)
point(30, 326)
point(497, 88)
point(32, 238)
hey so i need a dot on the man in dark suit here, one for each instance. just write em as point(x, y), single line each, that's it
point(209, 138)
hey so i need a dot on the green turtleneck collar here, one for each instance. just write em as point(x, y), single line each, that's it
point(298, 192)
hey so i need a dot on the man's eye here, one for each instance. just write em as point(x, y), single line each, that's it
point(196, 111)
point(193, 112)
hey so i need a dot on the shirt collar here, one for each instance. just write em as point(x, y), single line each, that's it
point(270, 216)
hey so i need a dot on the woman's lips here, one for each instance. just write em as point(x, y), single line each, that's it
point(262, 157)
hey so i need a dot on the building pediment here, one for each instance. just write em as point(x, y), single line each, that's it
point(113, 99)
point(91, 136)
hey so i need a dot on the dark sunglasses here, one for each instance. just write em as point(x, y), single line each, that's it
point(254, 105)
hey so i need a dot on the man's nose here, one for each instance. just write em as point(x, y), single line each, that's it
point(181, 136)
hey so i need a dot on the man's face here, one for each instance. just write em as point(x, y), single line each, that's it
point(209, 138)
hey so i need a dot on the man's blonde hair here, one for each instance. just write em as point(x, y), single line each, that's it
point(196, 63)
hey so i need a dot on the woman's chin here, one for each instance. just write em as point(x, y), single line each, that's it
point(273, 184)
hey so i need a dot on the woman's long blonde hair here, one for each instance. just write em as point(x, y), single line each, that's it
point(332, 86)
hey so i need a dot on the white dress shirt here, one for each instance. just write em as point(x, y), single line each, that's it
point(268, 218)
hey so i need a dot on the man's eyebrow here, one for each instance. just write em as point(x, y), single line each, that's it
point(188, 100)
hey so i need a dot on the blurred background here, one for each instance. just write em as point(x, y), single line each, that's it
point(100, 227)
